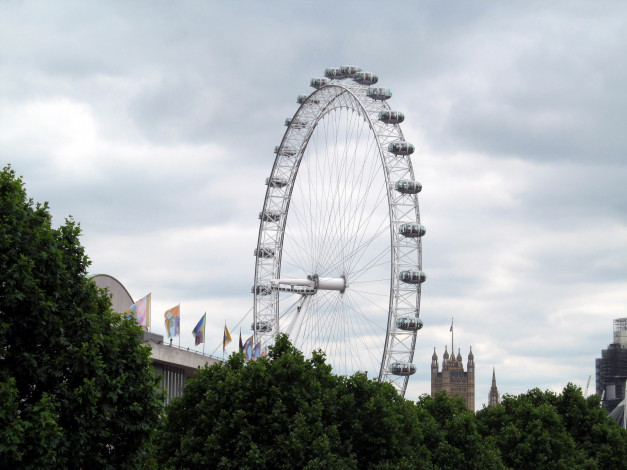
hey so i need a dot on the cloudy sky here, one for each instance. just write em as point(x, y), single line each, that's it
point(153, 124)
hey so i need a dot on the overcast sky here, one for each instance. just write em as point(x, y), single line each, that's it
point(153, 124)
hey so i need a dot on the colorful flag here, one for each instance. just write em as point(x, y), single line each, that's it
point(173, 321)
point(199, 331)
point(257, 351)
point(248, 348)
point(227, 337)
point(141, 311)
point(241, 345)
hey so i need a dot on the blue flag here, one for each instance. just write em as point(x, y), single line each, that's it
point(248, 348)
point(199, 331)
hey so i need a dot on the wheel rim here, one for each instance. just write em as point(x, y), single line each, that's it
point(331, 211)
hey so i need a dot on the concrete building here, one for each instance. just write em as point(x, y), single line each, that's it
point(611, 368)
point(453, 379)
point(120, 298)
point(175, 365)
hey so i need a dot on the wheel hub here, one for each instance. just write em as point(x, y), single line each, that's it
point(311, 284)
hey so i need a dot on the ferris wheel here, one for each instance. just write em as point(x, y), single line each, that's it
point(338, 262)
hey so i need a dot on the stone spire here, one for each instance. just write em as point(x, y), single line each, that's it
point(493, 396)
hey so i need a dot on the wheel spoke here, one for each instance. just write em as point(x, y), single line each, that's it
point(336, 212)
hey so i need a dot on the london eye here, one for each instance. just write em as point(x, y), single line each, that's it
point(338, 261)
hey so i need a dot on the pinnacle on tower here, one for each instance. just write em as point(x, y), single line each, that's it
point(493, 396)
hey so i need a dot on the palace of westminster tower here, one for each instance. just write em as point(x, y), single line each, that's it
point(453, 379)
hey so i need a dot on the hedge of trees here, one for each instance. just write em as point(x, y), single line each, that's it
point(290, 412)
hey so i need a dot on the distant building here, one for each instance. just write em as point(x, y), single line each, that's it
point(175, 365)
point(493, 396)
point(611, 368)
point(453, 379)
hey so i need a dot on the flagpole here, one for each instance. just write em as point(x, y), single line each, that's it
point(452, 337)
point(204, 328)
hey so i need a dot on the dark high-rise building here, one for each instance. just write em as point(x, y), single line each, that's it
point(611, 368)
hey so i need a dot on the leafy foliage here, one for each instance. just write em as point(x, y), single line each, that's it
point(76, 385)
point(288, 412)
point(451, 434)
point(542, 430)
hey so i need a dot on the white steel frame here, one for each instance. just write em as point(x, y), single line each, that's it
point(405, 252)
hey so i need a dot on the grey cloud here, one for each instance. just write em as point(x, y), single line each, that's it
point(515, 108)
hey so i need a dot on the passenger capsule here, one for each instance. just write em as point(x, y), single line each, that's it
point(318, 83)
point(408, 187)
point(270, 216)
point(295, 123)
point(401, 148)
point(366, 78)
point(391, 117)
point(403, 368)
point(261, 290)
point(412, 277)
point(276, 182)
point(302, 98)
point(333, 73)
point(264, 252)
point(412, 323)
point(349, 70)
point(286, 150)
point(412, 230)
point(262, 326)
point(379, 93)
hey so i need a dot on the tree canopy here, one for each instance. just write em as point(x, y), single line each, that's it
point(77, 388)
point(543, 430)
point(452, 435)
point(290, 412)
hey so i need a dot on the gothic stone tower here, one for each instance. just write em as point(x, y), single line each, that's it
point(493, 396)
point(453, 379)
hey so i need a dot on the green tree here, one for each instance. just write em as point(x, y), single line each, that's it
point(77, 388)
point(543, 430)
point(451, 433)
point(597, 436)
point(289, 412)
